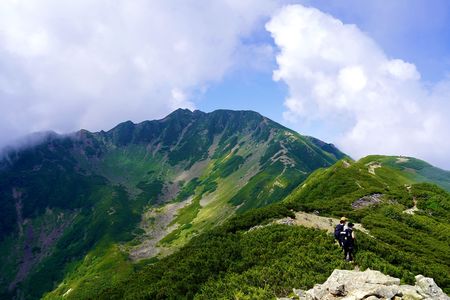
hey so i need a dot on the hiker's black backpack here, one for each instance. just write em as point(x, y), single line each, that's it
point(348, 239)
point(337, 231)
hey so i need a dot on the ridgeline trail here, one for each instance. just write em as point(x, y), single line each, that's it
point(324, 223)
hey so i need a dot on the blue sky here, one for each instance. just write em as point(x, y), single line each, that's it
point(369, 76)
point(415, 30)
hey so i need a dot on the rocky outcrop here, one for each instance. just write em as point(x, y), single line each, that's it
point(371, 285)
point(367, 201)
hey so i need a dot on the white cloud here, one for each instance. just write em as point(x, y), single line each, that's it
point(339, 77)
point(71, 64)
point(352, 79)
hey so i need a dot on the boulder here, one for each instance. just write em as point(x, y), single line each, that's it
point(427, 287)
point(410, 293)
point(301, 294)
point(371, 285)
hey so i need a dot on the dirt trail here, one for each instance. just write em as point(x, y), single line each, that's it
point(413, 209)
point(323, 223)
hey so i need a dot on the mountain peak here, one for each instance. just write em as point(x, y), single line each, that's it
point(179, 112)
point(146, 189)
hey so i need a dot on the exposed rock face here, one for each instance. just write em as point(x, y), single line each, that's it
point(371, 285)
point(367, 201)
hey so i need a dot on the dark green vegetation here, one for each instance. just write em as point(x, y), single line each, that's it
point(77, 209)
point(84, 211)
point(404, 244)
point(233, 262)
point(74, 207)
point(259, 264)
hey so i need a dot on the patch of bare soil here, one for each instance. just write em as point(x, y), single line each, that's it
point(155, 223)
point(372, 166)
point(401, 160)
point(412, 210)
point(283, 157)
point(170, 191)
point(317, 222)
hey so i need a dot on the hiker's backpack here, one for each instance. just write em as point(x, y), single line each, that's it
point(337, 231)
point(348, 239)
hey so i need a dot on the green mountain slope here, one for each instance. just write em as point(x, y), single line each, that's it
point(408, 227)
point(416, 169)
point(333, 190)
point(410, 217)
point(79, 210)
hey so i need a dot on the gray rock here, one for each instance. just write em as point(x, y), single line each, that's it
point(427, 287)
point(286, 221)
point(337, 289)
point(367, 201)
point(371, 285)
point(410, 293)
point(300, 293)
point(316, 293)
point(387, 292)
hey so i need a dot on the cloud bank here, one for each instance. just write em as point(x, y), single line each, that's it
point(342, 84)
point(66, 65)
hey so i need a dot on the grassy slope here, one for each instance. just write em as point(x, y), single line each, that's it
point(112, 221)
point(46, 179)
point(231, 262)
point(225, 258)
point(333, 190)
point(105, 269)
point(102, 267)
point(109, 179)
point(235, 157)
point(284, 161)
point(418, 243)
point(416, 169)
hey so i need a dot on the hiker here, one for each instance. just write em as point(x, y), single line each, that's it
point(339, 231)
point(349, 242)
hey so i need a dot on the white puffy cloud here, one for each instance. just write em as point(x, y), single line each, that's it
point(65, 65)
point(343, 84)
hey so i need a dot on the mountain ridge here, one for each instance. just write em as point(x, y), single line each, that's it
point(115, 189)
point(260, 254)
point(99, 213)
